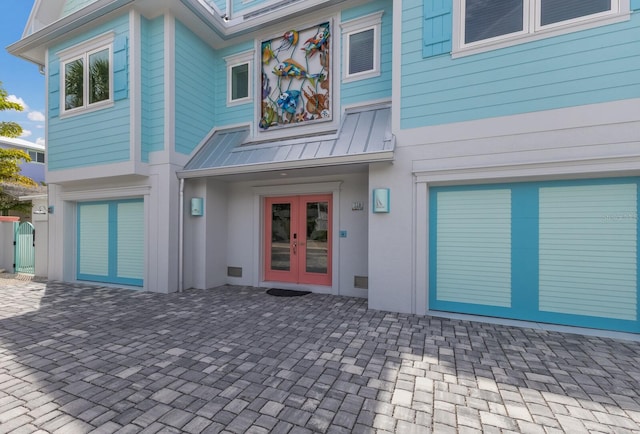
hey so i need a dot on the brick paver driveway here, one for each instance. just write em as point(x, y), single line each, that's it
point(76, 359)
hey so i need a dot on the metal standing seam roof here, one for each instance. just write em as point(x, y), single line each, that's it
point(364, 137)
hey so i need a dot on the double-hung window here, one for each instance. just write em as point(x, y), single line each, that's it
point(492, 22)
point(361, 47)
point(86, 74)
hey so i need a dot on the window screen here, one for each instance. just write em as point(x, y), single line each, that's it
point(361, 51)
point(486, 19)
point(555, 11)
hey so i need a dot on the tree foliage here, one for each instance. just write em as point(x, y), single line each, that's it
point(9, 129)
point(10, 176)
point(10, 160)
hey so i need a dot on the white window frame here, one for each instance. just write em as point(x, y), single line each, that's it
point(246, 57)
point(532, 30)
point(362, 24)
point(34, 156)
point(83, 51)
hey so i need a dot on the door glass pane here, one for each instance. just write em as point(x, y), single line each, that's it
point(486, 19)
point(316, 239)
point(280, 238)
point(554, 11)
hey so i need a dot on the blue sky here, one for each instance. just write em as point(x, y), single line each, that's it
point(19, 77)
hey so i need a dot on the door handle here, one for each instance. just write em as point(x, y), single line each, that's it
point(295, 243)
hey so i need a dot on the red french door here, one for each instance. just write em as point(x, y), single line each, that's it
point(298, 239)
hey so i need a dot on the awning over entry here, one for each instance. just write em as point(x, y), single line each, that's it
point(364, 137)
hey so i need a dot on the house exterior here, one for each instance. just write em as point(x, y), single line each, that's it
point(433, 156)
point(34, 169)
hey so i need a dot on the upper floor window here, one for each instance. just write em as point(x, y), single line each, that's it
point(240, 82)
point(239, 78)
point(86, 75)
point(361, 46)
point(488, 22)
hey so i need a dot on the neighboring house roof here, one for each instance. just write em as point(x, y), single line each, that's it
point(364, 137)
point(7, 142)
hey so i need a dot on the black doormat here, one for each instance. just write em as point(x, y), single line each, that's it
point(286, 292)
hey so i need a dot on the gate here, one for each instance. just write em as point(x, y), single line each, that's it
point(25, 249)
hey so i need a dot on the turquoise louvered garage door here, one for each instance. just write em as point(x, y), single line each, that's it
point(111, 242)
point(557, 252)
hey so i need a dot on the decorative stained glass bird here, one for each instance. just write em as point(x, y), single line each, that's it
point(317, 43)
point(288, 101)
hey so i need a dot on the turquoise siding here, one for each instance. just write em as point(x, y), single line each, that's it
point(194, 89)
point(153, 98)
point(234, 114)
point(98, 137)
point(591, 66)
point(573, 251)
point(71, 6)
point(376, 87)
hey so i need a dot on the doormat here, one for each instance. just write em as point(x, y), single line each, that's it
point(286, 292)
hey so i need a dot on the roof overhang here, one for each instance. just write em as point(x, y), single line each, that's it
point(364, 138)
point(254, 18)
point(39, 35)
point(367, 158)
point(33, 47)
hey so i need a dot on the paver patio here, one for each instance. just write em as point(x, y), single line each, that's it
point(78, 358)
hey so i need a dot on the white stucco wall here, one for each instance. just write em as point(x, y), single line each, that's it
point(599, 140)
point(230, 233)
point(7, 230)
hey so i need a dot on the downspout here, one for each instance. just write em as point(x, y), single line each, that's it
point(228, 10)
point(181, 239)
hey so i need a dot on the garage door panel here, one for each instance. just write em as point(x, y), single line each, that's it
point(94, 239)
point(130, 240)
point(474, 241)
point(569, 258)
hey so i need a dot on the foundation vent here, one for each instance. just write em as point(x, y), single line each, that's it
point(361, 282)
point(234, 271)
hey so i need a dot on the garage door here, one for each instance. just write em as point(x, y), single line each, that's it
point(111, 242)
point(557, 252)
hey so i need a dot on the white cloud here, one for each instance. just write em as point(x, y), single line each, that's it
point(26, 133)
point(39, 126)
point(36, 116)
point(40, 141)
point(13, 98)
